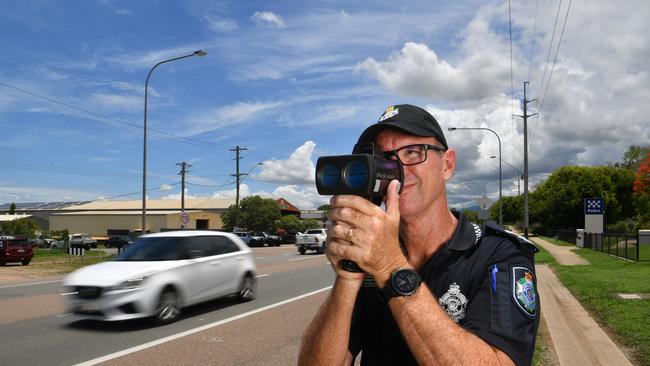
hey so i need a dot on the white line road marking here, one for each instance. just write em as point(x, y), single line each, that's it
point(31, 284)
point(300, 259)
point(263, 275)
point(196, 330)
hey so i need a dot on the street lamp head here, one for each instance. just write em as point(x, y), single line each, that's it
point(451, 128)
point(493, 157)
point(200, 53)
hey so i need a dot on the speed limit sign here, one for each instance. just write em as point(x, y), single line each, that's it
point(185, 218)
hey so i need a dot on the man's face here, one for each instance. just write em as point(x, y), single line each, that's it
point(424, 183)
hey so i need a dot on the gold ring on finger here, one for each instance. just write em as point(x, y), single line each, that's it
point(348, 236)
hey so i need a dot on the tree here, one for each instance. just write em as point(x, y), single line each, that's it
point(20, 227)
point(641, 188)
point(633, 156)
point(12, 209)
point(259, 214)
point(290, 223)
point(557, 203)
point(229, 218)
point(310, 224)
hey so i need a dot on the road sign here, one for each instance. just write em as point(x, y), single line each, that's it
point(185, 218)
point(594, 206)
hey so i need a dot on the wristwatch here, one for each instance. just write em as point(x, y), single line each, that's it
point(403, 282)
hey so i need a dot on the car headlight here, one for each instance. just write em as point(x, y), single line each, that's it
point(130, 284)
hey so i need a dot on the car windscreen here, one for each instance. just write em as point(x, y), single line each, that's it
point(154, 249)
point(18, 243)
point(314, 232)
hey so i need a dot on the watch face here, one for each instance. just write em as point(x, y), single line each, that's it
point(405, 282)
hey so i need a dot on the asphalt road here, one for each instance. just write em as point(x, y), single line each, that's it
point(34, 330)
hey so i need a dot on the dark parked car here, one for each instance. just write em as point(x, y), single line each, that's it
point(117, 242)
point(289, 237)
point(262, 238)
point(15, 249)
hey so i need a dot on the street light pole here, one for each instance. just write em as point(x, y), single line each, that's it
point(499, 139)
point(199, 53)
point(521, 175)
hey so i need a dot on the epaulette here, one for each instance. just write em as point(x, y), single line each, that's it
point(494, 229)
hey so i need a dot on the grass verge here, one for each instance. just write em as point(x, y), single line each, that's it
point(596, 285)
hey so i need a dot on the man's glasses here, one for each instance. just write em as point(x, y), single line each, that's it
point(413, 154)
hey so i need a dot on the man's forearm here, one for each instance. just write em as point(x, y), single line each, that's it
point(433, 338)
point(326, 339)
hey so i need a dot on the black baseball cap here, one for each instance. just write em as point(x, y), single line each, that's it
point(406, 118)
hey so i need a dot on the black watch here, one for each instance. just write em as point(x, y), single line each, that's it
point(403, 282)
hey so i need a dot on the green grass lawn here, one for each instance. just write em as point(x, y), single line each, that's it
point(595, 286)
point(54, 254)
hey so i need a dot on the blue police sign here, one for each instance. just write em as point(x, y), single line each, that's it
point(594, 206)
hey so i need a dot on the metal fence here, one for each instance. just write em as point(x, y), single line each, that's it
point(619, 245)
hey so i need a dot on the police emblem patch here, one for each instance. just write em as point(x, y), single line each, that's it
point(390, 112)
point(454, 302)
point(524, 293)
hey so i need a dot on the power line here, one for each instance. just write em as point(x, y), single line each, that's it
point(512, 88)
point(99, 117)
point(139, 192)
point(541, 105)
point(532, 42)
point(550, 46)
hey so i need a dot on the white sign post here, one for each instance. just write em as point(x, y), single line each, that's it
point(594, 213)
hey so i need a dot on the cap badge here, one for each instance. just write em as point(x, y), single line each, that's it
point(454, 302)
point(390, 112)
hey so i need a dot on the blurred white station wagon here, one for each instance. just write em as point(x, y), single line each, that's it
point(162, 273)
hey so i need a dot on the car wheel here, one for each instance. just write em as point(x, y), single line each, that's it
point(249, 286)
point(321, 250)
point(25, 262)
point(168, 308)
point(302, 250)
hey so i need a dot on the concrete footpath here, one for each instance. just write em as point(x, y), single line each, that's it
point(576, 337)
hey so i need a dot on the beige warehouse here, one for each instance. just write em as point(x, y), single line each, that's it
point(96, 218)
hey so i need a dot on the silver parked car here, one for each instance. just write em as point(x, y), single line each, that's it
point(162, 273)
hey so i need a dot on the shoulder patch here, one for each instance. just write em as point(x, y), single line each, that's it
point(524, 292)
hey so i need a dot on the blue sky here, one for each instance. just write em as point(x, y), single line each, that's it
point(291, 81)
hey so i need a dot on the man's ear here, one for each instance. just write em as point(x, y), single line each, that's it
point(449, 164)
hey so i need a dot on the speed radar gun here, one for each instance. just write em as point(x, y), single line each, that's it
point(366, 173)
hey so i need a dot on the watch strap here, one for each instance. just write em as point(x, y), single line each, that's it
point(389, 291)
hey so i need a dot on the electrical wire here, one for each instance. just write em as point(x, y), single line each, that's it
point(541, 105)
point(550, 47)
point(100, 118)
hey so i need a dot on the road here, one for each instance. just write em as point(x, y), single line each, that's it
point(35, 330)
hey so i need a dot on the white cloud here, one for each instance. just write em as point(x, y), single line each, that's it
point(417, 70)
point(217, 118)
point(305, 199)
point(165, 187)
point(117, 101)
point(298, 169)
point(268, 19)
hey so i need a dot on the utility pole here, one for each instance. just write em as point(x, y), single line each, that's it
point(237, 176)
point(184, 167)
point(525, 117)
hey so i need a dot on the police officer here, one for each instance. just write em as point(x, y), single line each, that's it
point(438, 289)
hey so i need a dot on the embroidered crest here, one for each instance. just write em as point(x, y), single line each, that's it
point(390, 112)
point(523, 290)
point(454, 302)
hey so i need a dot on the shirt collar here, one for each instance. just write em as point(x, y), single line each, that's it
point(466, 235)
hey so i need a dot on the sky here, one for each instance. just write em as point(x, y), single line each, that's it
point(292, 81)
